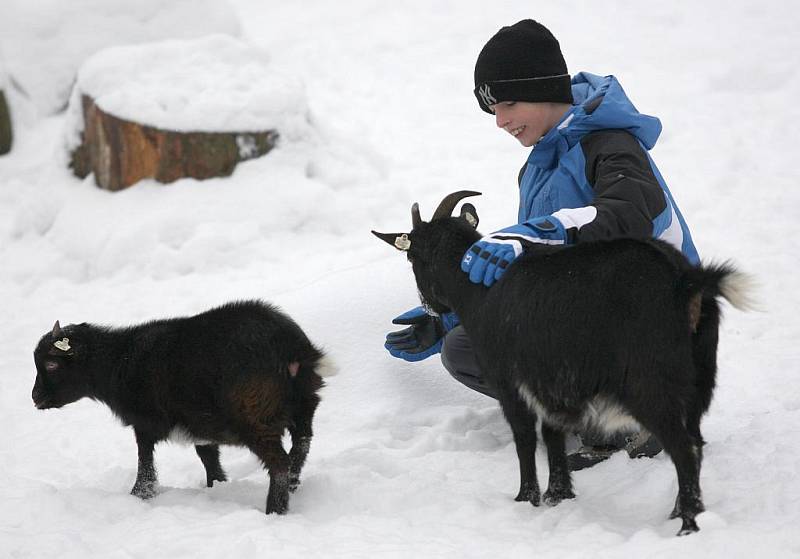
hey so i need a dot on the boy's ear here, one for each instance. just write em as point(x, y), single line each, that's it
point(470, 215)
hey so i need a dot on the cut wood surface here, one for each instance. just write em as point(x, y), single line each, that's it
point(121, 152)
point(5, 125)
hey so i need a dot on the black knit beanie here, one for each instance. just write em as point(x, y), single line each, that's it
point(521, 62)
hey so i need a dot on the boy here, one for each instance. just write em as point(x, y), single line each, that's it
point(588, 177)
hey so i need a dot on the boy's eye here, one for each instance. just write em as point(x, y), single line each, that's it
point(50, 365)
point(503, 103)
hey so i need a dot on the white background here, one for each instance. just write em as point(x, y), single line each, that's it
point(406, 462)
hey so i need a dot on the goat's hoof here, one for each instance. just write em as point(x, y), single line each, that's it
point(210, 481)
point(552, 498)
point(278, 504)
point(277, 508)
point(144, 491)
point(532, 497)
point(689, 527)
point(218, 476)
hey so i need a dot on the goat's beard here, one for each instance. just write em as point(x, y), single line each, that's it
point(432, 308)
point(429, 289)
point(428, 309)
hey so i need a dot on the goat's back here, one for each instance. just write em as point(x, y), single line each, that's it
point(243, 337)
point(590, 318)
point(228, 364)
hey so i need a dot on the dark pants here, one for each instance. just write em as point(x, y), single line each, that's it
point(458, 358)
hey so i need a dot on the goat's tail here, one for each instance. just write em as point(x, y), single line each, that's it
point(738, 289)
point(307, 374)
point(326, 367)
point(703, 286)
point(723, 280)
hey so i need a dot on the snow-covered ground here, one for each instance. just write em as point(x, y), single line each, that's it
point(45, 41)
point(406, 462)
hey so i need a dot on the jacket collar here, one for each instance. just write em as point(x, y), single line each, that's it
point(553, 145)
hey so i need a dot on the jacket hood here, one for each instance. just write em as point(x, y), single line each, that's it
point(601, 104)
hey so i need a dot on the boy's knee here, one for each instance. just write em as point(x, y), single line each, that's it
point(458, 358)
point(457, 351)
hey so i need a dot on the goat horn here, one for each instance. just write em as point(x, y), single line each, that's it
point(415, 218)
point(447, 205)
point(57, 330)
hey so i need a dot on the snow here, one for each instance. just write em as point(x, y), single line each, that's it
point(405, 461)
point(44, 42)
point(211, 84)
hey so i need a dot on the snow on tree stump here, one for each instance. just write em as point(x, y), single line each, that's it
point(177, 109)
point(5, 125)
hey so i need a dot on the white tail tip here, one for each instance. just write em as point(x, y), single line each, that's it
point(326, 367)
point(738, 288)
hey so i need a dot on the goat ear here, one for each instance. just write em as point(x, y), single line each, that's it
point(56, 333)
point(470, 215)
point(399, 241)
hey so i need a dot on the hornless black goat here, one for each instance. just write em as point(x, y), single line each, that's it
point(589, 336)
point(239, 374)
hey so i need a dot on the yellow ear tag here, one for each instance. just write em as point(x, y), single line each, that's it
point(470, 219)
point(402, 242)
point(63, 344)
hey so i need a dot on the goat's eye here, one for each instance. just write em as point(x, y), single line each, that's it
point(50, 365)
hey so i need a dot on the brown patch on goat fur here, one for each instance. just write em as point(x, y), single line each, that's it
point(695, 304)
point(259, 403)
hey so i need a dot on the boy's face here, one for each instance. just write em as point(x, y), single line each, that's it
point(527, 122)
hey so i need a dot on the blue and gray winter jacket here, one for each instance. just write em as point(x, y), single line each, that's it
point(591, 178)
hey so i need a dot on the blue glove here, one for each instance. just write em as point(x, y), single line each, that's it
point(423, 337)
point(487, 260)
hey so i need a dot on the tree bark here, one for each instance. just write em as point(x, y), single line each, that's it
point(121, 152)
point(5, 125)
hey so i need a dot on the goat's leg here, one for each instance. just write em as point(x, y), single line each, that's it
point(704, 354)
point(209, 455)
point(523, 427)
point(559, 485)
point(275, 459)
point(146, 477)
point(698, 455)
point(302, 434)
point(693, 417)
point(687, 454)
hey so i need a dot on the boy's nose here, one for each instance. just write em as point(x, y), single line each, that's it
point(500, 118)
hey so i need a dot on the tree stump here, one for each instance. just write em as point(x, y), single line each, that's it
point(5, 125)
point(179, 108)
point(120, 152)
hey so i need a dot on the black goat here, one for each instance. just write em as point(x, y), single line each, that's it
point(239, 374)
point(596, 335)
